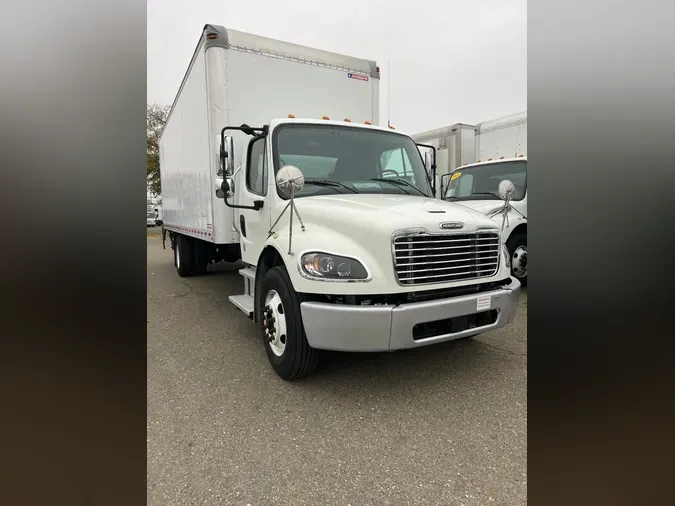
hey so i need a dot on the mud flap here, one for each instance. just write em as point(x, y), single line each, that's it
point(163, 237)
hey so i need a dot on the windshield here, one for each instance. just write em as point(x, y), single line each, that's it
point(481, 182)
point(336, 159)
point(151, 214)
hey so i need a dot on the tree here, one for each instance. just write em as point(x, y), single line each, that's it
point(156, 118)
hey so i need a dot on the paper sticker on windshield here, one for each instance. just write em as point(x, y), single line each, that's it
point(358, 77)
point(366, 186)
point(455, 176)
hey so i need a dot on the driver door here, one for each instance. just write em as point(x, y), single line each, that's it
point(254, 225)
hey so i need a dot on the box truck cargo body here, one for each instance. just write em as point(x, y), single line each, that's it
point(271, 154)
point(502, 138)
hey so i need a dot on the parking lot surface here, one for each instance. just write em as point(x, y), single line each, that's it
point(444, 424)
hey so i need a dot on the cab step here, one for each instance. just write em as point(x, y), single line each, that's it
point(245, 302)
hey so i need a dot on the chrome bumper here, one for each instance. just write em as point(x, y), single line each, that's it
point(341, 327)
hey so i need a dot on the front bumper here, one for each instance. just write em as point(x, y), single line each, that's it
point(387, 327)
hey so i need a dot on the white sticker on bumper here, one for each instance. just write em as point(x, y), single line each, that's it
point(483, 303)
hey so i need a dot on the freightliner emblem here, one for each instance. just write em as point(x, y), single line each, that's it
point(451, 225)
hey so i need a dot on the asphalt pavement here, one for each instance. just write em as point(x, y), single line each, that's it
point(444, 424)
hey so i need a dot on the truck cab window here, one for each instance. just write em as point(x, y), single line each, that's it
point(395, 161)
point(256, 171)
point(465, 185)
point(356, 161)
point(477, 182)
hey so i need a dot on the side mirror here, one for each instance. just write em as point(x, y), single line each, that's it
point(506, 189)
point(444, 183)
point(290, 180)
point(226, 188)
point(226, 156)
point(428, 162)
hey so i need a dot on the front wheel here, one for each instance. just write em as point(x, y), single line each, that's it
point(517, 246)
point(282, 331)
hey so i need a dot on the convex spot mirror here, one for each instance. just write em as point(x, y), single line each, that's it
point(290, 180)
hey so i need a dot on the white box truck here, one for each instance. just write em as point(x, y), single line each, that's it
point(472, 161)
point(344, 246)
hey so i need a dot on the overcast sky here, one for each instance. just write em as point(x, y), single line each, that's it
point(451, 61)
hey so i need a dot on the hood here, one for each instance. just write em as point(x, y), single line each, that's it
point(482, 206)
point(387, 213)
point(488, 207)
point(361, 226)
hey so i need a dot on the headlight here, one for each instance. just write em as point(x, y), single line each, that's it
point(507, 256)
point(328, 266)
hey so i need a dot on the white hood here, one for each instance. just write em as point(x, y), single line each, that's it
point(361, 226)
point(482, 206)
point(387, 213)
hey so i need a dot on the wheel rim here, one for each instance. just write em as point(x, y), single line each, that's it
point(177, 256)
point(274, 323)
point(519, 262)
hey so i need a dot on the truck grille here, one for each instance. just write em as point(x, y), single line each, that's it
point(441, 258)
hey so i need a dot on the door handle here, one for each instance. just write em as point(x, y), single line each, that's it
point(242, 225)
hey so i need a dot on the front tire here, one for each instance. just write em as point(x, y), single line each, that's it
point(517, 246)
point(282, 331)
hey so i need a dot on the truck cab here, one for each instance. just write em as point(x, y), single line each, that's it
point(476, 186)
point(347, 249)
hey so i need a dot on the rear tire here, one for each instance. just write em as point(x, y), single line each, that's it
point(286, 344)
point(517, 246)
point(184, 256)
point(198, 258)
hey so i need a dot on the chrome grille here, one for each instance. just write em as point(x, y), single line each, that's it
point(440, 258)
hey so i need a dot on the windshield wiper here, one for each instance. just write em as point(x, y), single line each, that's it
point(330, 184)
point(399, 182)
point(475, 194)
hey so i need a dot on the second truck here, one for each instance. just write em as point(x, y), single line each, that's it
point(472, 162)
point(271, 155)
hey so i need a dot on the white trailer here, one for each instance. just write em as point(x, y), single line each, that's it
point(498, 151)
point(502, 138)
point(344, 246)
